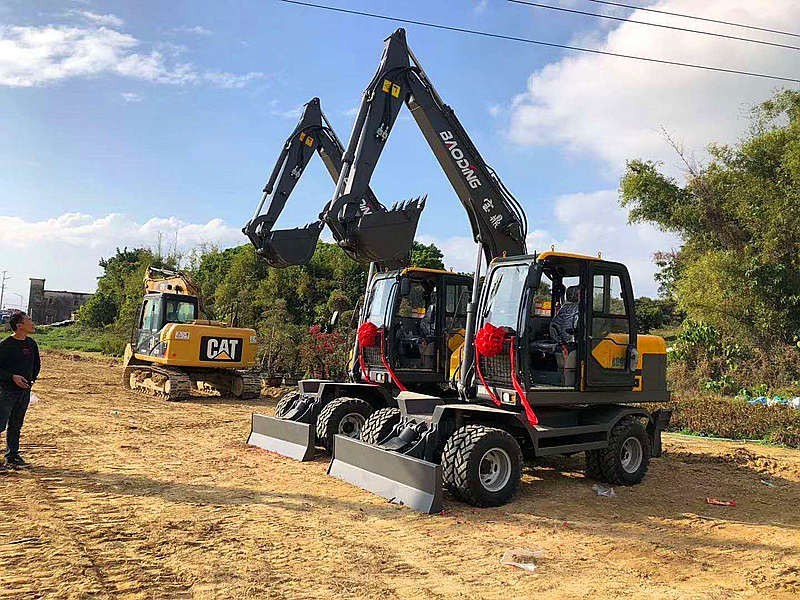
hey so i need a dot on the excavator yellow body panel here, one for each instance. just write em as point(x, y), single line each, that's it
point(209, 346)
point(611, 352)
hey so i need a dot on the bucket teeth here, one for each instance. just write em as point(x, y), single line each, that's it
point(384, 237)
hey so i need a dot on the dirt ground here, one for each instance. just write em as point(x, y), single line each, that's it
point(132, 497)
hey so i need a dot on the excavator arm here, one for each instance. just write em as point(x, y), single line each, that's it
point(313, 133)
point(498, 221)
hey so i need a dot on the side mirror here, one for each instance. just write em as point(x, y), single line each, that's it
point(405, 286)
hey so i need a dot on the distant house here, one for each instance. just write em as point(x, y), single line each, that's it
point(51, 306)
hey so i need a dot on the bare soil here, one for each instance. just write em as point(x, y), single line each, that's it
point(134, 497)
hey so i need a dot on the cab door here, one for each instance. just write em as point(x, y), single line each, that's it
point(149, 326)
point(610, 330)
point(457, 294)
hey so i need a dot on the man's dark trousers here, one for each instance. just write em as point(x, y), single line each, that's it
point(13, 406)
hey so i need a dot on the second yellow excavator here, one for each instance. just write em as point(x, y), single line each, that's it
point(173, 349)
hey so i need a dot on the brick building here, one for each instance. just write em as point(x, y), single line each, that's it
point(51, 306)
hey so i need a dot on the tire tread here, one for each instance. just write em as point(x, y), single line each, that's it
point(324, 432)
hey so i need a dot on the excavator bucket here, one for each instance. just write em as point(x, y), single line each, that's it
point(386, 236)
point(398, 478)
point(287, 438)
point(289, 247)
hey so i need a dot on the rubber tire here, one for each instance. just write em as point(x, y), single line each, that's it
point(610, 461)
point(379, 425)
point(330, 416)
point(592, 469)
point(285, 403)
point(461, 461)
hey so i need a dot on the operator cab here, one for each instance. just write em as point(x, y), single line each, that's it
point(159, 309)
point(571, 320)
point(421, 315)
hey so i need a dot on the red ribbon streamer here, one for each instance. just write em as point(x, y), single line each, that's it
point(397, 382)
point(489, 390)
point(532, 418)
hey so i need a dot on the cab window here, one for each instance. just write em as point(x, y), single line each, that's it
point(456, 306)
point(609, 314)
point(180, 311)
point(415, 305)
point(150, 315)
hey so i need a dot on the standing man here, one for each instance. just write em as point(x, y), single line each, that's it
point(19, 368)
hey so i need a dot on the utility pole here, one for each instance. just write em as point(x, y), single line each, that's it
point(3, 287)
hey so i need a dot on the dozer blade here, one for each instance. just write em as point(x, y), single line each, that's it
point(385, 237)
point(289, 247)
point(401, 479)
point(287, 438)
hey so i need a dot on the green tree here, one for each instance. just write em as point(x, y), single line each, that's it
point(119, 294)
point(739, 217)
point(427, 256)
point(654, 314)
point(99, 311)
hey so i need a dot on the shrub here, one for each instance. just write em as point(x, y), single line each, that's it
point(100, 310)
point(701, 359)
point(736, 419)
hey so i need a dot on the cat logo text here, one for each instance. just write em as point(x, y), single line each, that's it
point(221, 349)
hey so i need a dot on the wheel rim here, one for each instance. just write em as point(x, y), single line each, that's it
point(351, 424)
point(631, 455)
point(494, 471)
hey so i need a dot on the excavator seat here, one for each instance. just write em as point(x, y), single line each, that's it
point(561, 347)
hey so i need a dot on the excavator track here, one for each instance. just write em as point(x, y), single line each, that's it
point(246, 385)
point(171, 384)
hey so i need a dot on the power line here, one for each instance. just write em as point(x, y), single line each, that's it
point(662, 26)
point(539, 42)
point(696, 17)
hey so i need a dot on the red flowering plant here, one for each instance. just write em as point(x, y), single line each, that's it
point(324, 354)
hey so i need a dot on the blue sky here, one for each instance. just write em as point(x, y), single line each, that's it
point(123, 120)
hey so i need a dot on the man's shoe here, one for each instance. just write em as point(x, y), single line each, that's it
point(16, 462)
point(4, 469)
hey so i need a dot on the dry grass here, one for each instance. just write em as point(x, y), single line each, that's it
point(136, 498)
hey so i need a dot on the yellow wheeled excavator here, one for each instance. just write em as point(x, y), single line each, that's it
point(531, 383)
point(172, 349)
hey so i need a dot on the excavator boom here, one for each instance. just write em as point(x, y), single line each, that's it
point(497, 219)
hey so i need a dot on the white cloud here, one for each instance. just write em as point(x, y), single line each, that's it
point(614, 108)
point(131, 97)
point(104, 20)
point(41, 55)
point(284, 113)
point(66, 249)
point(229, 80)
point(196, 30)
point(592, 223)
